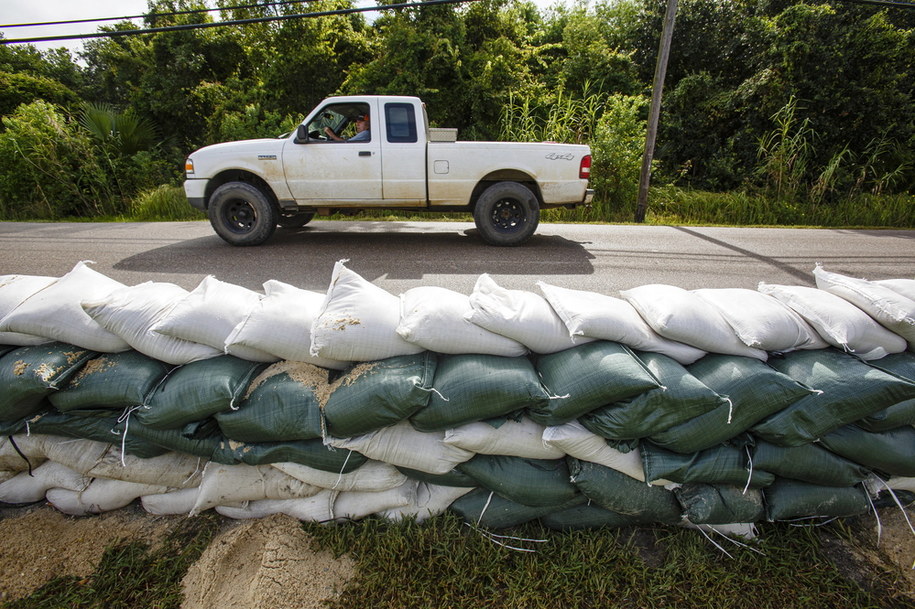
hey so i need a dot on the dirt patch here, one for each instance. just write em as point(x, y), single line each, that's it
point(261, 564)
point(886, 562)
point(40, 543)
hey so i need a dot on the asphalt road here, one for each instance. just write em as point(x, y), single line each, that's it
point(399, 255)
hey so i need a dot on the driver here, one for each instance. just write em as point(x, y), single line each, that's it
point(362, 131)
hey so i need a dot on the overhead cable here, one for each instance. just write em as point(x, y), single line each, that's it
point(212, 24)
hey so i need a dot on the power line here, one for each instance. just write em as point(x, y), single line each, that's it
point(144, 16)
point(197, 26)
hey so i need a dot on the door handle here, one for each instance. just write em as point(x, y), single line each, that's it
point(365, 153)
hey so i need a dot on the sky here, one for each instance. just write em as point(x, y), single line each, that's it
point(34, 11)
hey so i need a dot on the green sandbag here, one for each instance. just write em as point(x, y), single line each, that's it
point(793, 500)
point(719, 465)
point(889, 452)
point(897, 415)
point(533, 482)
point(99, 425)
point(681, 398)
point(850, 390)
point(111, 380)
point(589, 516)
point(172, 439)
point(587, 377)
point(808, 463)
point(378, 394)
point(312, 453)
point(615, 491)
point(452, 478)
point(484, 508)
point(753, 391)
point(282, 406)
point(473, 387)
point(720, 504)
point(198, 390)
point(28, 375)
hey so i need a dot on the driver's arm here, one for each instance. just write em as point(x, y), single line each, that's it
point(330, 133)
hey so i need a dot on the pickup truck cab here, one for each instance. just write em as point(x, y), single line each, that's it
point(248, 188)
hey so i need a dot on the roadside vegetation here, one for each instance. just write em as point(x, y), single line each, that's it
point(780, 112)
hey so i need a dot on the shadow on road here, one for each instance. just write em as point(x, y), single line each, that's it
point(305, 257)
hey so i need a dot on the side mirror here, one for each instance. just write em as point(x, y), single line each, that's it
point(301, 135)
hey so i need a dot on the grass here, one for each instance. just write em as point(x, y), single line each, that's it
point(444, 563)
point(447, 564)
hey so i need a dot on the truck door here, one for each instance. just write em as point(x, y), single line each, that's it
point(322, 169)
point(404, 159)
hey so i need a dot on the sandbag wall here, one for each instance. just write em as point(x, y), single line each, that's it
point(707, 407)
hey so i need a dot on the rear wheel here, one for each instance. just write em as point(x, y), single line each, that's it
point(507, 213)
point(242, 214)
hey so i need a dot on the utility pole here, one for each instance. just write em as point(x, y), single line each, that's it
point(654, 113)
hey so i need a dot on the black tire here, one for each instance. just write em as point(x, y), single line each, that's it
point(295, 220)
point(242, 214)
point(506, 214)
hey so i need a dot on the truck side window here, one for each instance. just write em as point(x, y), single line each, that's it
point(401, 123)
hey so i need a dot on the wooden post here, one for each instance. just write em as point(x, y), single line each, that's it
point(654, 113)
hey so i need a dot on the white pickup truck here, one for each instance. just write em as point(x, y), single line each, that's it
point(393, 161)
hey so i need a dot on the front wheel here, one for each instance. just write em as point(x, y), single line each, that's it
point(242, 214)
point(507, 213)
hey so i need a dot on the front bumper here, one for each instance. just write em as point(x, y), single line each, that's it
point(195, 191)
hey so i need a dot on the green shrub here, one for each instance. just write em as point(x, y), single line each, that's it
point(48, 167)
point(163, 203)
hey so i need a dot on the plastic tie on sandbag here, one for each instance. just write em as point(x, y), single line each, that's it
point(730, 408)
point(342, 469)
point(125, 419)
point(702, 529)
point(431, 390)
point(750, 467)
point(872, 489)
point(498, 539)
point(21, 454)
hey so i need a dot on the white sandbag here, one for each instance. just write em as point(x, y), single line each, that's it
point(372, 476)
point(14, 290)
point(77, 454)
point(522, 438)
point(7, 475)
point(100, 496)
point(401, 445)
point(431, 500)
point(436, 319)
point(887, 307)
point(358, 321)
point(132, 312)
point(576, 441)
point(614, 319)
point(899, 483)
point(520, 315)
point(762, 321)
point(56, 312)
point(223, 484)
point(280, 324)
point(174, 470)
point(209, 313)
point(904, 287)
point(19, 452)
point(171, 503)
point(318, 508)
point(682, 316)
point(28, 488)
point(838, 322)
point(356, 505)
